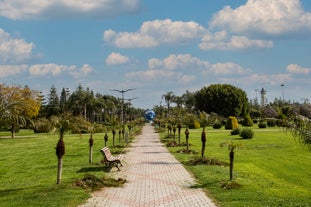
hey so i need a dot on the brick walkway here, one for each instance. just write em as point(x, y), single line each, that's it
point(154, 178)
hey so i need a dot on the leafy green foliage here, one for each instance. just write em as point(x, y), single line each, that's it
point(232, 123)
point(262, 124)
point(247, 133)
point(247, 121)
point(217, 125)
point(235, 131)
point(223, 99)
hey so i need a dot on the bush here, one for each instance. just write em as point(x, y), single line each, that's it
point(232, 123)
point(235, 131)
point(42, 126)
point(217, 125)
point(247, 134)
point(247, 121)
point(271, 122)
point(262, 125)
point(192, 122)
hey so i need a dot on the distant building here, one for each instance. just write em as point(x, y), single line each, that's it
point(263, 101)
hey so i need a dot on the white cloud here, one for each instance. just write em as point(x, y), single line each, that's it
point(155, 33)
point(81, 72)
point(116, 59)
point(60, 9)
point(56, 70)
point(263, 79)
point(11, 70)
point(227, 69)
point(296, 69)
point(14, 50)
point(222, 41)
point(180, 61)
point(272, 17)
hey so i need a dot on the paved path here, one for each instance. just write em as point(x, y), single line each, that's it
point(154, 178)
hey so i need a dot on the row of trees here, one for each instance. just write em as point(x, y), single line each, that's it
point(227, 100)
point(93, 107)
point(223, 100)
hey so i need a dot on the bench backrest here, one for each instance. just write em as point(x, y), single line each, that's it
point(106, 152)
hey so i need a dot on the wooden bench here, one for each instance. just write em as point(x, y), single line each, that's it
point(110, 159)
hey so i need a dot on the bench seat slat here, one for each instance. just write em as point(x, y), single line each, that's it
point(112, 160)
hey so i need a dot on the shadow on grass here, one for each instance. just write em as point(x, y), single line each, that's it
point(204, 185)
point(94, 169)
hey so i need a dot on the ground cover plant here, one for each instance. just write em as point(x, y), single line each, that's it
point(29, 165)
point(272, 169)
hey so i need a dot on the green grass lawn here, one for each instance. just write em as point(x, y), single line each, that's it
point(28, 169)
point(273, 169)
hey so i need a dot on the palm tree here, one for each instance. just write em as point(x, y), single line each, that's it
point(168, 97)
point(64, 123)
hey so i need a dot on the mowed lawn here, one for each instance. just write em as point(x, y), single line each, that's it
point(28, 169)
point(273, 169)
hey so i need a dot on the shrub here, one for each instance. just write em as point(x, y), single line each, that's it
point(262, 125)
point(42, 126)
point(192, 122)
point(247, 121)
point(235, 131)
point(232, 123)
point(247, 134)
point(217, 125)
point(196, 124)
point(271, 122)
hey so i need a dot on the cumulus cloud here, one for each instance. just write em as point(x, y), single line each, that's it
point(272, 17)
point(223, 41)
point(155, 33)
point(180, 61)
point(296, 69)
point(56, 70)
point(270, 79)
point(11, 70)
point(116, 59)
point(13, 50)
point(227, 69)
point(62, 9)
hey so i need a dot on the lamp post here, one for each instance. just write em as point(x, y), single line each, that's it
point(129, 100)
point(282, 85)
point(122, 106)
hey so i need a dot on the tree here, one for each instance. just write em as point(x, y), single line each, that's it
point(223, 99)
point(18, 105)
point(204, 122)
point(300, 128)
point(64, 123)
point(231, 146)
point(168, 97)
point(53, 107)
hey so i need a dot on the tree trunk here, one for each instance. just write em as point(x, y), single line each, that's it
point(187, 143)
point(59, 170)
point(60, 151)
point(91, 155)
point(13, 131)
point(231, 155)
point(113, 136)
point(203, 149)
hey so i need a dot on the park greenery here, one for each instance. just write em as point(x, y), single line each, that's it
point(265, 143)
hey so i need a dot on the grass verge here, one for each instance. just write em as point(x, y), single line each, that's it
point(29, 168)
point(269, 170)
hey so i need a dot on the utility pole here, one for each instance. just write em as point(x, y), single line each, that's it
point(122, 106)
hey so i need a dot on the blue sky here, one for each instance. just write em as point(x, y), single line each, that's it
point(157, 46)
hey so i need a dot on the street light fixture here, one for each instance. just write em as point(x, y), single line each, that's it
point(122, 92)
point(282, 85)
